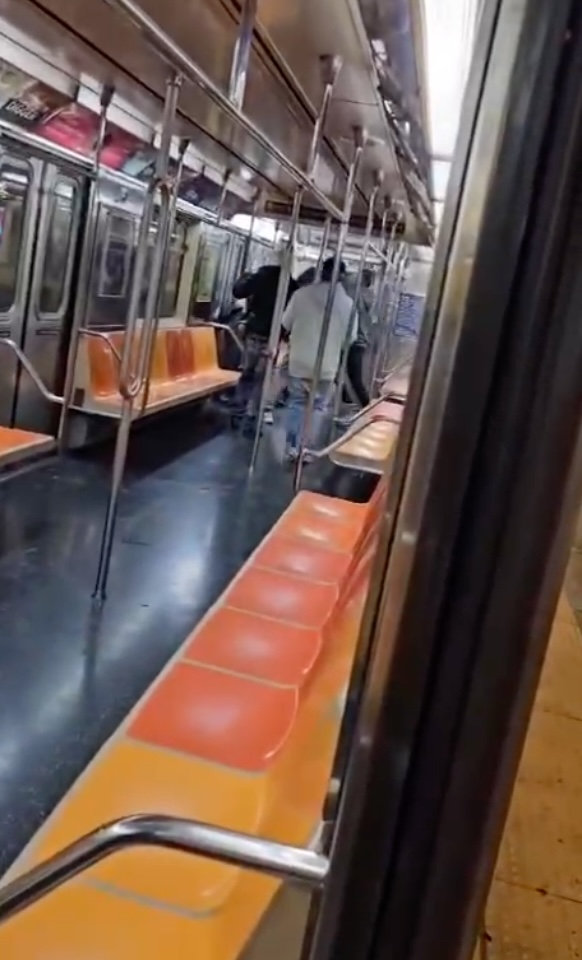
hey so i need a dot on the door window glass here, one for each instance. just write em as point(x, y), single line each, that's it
point(14, 187)
point(116, 256)
point(58, 247)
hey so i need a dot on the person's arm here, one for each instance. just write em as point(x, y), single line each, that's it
point(289, 315)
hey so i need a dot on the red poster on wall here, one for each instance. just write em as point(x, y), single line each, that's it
point(119, 146)
point(74, 127)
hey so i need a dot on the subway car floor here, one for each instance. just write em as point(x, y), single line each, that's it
point(69, 672)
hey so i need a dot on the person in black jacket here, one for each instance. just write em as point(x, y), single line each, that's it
point(259, 289)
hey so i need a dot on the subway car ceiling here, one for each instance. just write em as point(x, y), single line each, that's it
point(56, 56)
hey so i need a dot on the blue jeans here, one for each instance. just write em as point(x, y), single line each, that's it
point(250, 385)
point(296, 409)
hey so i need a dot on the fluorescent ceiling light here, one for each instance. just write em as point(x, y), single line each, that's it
point(450, 33)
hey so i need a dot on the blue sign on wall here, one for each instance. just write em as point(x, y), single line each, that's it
point(408, 316)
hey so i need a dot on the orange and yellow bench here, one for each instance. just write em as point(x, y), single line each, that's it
point(16, 445)
point(370, 441)
point(239, 730)
point(184, 367)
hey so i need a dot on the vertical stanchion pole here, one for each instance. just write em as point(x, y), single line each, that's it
point(242, 52)
point(331, 66)
point(84, 277)
point(380, 303)
point(167, 218)
point(327, 314)
point(322, 248)
point(400, 266)
point(249, 236)
point(357, 293)
point(129, 385)
point(388, 305)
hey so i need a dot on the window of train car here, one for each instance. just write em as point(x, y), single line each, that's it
point(58, 247)
point(116, 257)
point(14, 189)
point(205, 276)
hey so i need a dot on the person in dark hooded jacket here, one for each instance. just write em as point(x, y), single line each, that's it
point(259, 289)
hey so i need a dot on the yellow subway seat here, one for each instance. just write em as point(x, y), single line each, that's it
point(134, 778)
point(81, 921)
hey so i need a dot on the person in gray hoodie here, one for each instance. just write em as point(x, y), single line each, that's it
point(303, 322)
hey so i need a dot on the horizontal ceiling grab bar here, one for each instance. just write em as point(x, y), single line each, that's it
point(31, 371)
point(169, 50)
point(292, 864)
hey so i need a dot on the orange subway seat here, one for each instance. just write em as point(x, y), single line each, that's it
point(11, 438)
point(179, 354)
point(132, 778)
point(331, 508)
point(159, 367)
point(303, 558)
point(103, 368)
point(284, 598)
point(204, 349)
point(82, 921)
point(322, 530)
point(217, 716)
point(256, 647)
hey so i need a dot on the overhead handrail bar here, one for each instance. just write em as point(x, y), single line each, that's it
point(293, 864)
point(350, 434)
point(169, 50)
point(100, 335)
point(31, 371)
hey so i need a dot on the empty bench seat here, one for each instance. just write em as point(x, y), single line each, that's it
point(369, 444)
point(184, 368)
point(239, 730)
point(16, 445)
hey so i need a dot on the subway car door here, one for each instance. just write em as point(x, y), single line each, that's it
point(50, 298)
point(20, 182)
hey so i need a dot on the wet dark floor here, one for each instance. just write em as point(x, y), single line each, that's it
point(68, 673)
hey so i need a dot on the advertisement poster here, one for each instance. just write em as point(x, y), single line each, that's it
point(74, 127)
point(24, 101)
point(199, 190)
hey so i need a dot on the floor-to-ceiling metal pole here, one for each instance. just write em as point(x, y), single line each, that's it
point(322, 249)
point(389, 310)
point(130, 384)
point(242, 51)
point(342, 237)
point(82, 297)
point(331, 66)
point(357, 293)
point(167, 218)
point(380, 302)
point(257, 201)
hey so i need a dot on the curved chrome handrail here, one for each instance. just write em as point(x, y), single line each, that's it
point(220, 326)
point(100, 335)
point(31, 371)
point(349, 435)
point(293, 864)
point(383, 398)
